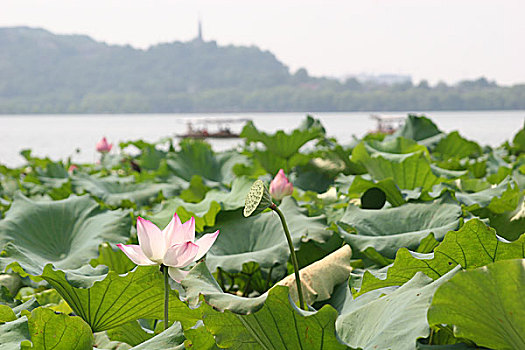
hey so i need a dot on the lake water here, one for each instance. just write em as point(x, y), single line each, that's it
point(58, 136)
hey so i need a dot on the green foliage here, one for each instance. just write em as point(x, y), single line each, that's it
point(474, 245)
point(117, 299)
point(270, 327)
point(66, 233)
point(485, 305)
point(390, 229)
point(197, 158)
point(392, 319)
point(269, 250)
point(446, 205)
point(58, 331)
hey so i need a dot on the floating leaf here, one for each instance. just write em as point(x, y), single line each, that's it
point(206, 210)
point(389, 319)
point(409, 171)
point(118, 299)
point(472, 246)
point(130, 333)
point(13, 333)
point(360, 185)
point(485, 305)
point(387, 230)
point(114, 190)
point(261, 238)
point(281, 144)
point(50, 330)
point(197, 158)
point(277, 325)
point(453, 145)
point(419, 128)
point(171, 339)
point(66, 233)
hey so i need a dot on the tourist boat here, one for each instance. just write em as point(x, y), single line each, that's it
point(203, 131)
point(387, 124)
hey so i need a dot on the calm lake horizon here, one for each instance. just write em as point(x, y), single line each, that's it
point(58, 136)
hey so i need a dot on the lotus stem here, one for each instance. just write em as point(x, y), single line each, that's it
point(166, 295)
point(294, 257)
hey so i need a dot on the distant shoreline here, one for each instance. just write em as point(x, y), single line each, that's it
point(243, 113)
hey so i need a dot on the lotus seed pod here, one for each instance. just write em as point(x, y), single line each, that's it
point(257, 200)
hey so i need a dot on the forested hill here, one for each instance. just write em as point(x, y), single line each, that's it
point(41, 72)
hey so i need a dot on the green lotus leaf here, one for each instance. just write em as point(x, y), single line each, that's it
point(171, 339)
point(518, 142)
point(485, 305)
point(66, 233)
point(150, 157)
point(272, 163)
point(398, 145)
point(197, 158)
point(199, 338)
point(446, 173)
point(105, 302)
point(261, 238)
point(50, 330)
point(206, 210)
point(101, 341)
point(409, 171)
point(472, 246)
point(277, 325)
point(114, 259)
point(360, 185)
point(455, 146)
point(387, 230)
point(509, 225)
point(196, 190)
point(130, 333)
point(199, 283)
point(457, 346)
point(6, 314)
point(13, 333)
point(387, 318)
point(419, 128)
point(281, 144)
point(499, 199)
point(113, 190)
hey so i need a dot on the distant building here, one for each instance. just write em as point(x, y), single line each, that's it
point(199, 33)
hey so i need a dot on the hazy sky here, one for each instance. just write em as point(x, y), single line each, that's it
point(436, 40)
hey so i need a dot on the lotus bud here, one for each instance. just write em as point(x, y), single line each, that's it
point(103, 146)
point(257, 200)
point(280, 187)
point(72, 168)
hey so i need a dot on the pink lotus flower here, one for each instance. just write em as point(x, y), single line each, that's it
point(103, 146)
point(72, 168)
point(175, 246)
point(280, 187)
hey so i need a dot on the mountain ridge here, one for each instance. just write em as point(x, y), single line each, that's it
point(42, 72)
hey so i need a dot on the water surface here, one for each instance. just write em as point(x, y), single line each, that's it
point(58, 136)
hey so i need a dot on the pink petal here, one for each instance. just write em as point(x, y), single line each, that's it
point(177, 274)
point(280, 187)
point(205, 243)
point(179, 233)
point(151, 240)
point(136, 254)
point(181, 255)
point(288, 189)
point(176, 232)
